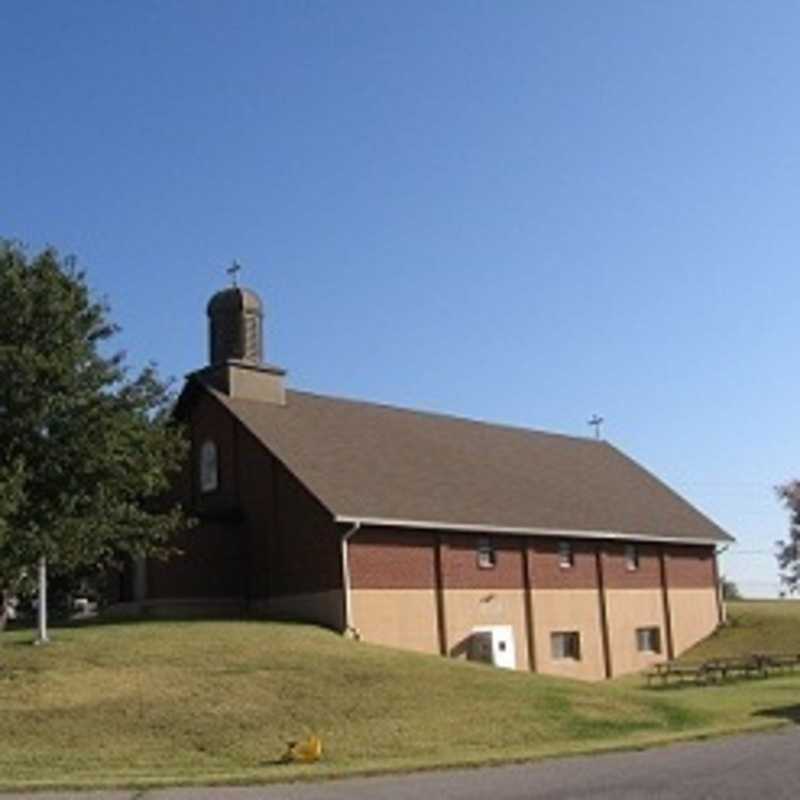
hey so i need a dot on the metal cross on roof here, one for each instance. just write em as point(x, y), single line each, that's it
point(596, 422)
point(233, 270)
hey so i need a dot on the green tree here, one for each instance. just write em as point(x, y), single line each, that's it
point(10, 496)
point(788, 550)
point(87, 452)
point(730, 591)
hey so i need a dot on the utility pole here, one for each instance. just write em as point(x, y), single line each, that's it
point(596, 422)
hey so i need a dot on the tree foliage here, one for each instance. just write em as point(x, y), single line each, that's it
point(788, 550)
point(730, 590)
point(10, 496)
point(86, 450)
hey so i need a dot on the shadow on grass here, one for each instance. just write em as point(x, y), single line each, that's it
point(102, 621)
point(785, 713)
point(677, 686)
point(709, 685)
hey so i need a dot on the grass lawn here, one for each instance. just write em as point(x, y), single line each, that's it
point(150, 703)
point(754, 626)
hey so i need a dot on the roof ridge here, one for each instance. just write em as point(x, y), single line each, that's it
point(447, 416)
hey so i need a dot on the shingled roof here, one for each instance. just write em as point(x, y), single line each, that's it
point(383, 465)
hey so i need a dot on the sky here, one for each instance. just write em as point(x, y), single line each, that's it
point(523, 212)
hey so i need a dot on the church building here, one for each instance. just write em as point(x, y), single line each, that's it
point(530, 550)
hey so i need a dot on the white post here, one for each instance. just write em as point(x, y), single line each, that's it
point(349, 628)
point(42, 602)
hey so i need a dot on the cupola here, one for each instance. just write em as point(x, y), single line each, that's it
point(235, 319)
point(236, 348)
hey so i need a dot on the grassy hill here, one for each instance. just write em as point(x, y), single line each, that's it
point(168, 702)
point(754, 626)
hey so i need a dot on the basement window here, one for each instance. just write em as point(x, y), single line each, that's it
point(565, 645)
point(648, 640)
point(566, 555)
point(487, 558)
point(631, 557)
point(209, 467)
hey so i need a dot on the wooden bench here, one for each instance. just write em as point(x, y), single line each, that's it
point(680, 671)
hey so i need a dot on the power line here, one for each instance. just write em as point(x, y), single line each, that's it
point(728, 484)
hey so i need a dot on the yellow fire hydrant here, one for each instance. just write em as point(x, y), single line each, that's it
point(305, 751)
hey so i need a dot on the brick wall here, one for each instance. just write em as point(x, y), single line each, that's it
point(460, 569)
point(547, 572)
point(213, 558)
point(391, 559)
point(616, 574)
point(403, 559)
point(262, 533)
point(689, 567)
point(211, 565)
point(208, 420)
point(307, 551)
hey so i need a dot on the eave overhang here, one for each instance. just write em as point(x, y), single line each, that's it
point(458, 527)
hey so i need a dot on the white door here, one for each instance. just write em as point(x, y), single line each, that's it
point(503, 653)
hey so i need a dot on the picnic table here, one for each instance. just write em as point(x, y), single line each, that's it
point(680, 671)
point(755, 665)
point(748, 667)
point(780, 661)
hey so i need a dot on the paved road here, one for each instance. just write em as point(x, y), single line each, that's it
point(758, 767)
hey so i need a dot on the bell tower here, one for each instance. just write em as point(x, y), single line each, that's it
point(236, 347)
point(235, 320)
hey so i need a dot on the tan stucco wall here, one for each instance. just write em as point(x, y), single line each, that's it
point(694, 616)
point(466, 609)
point(627, 610)
point(407, 618)
point(576, 610)
point(324, 608)
point(404, 618)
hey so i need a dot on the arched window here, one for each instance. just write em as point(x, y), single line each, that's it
point(209, 467)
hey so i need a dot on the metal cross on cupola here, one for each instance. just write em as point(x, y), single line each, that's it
point(596, 422)
point(233, 270)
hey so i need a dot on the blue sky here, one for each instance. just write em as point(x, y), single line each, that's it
point(522, 212)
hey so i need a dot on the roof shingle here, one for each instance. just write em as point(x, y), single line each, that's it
point(374, 462)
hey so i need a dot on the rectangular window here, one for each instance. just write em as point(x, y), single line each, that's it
point(566, 557)
point(648, 640)
point(631, 557)
point(565, 644)
point(487, 558)
point(209, 467)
